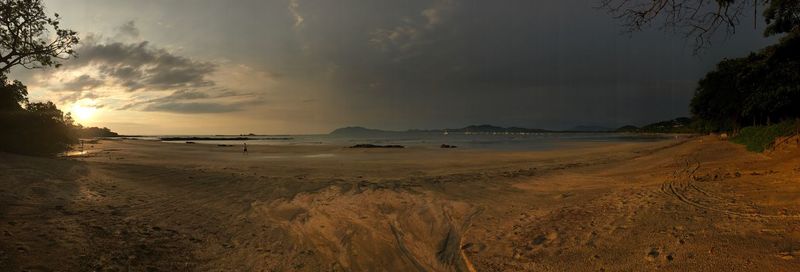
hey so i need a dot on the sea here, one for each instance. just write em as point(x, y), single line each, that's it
point(488, 141)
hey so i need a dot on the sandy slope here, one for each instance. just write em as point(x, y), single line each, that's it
point(697, 205)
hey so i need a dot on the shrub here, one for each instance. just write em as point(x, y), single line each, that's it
point(760, 138)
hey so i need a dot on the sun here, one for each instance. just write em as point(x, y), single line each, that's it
point(83, 113)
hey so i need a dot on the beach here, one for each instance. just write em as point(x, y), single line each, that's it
point(690, 203)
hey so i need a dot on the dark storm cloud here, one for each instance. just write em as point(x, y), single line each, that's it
point(551, 64)
point(141, 66)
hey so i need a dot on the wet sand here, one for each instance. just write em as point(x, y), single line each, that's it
point(697, 204)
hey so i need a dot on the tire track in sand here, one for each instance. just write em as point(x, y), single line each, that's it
point(682, 187)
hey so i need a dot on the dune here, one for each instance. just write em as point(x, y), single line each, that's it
point(680, 204)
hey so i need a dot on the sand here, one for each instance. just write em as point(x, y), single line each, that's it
point(697, 204)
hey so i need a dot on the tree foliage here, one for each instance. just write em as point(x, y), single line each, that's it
point(758, 89)
point(37, 128)
point(782, 16)
point(12, 94)
point(701, 19)
point(29, 38)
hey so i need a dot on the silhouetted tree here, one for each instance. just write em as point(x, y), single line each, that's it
point(719, 95)
point(782, 16)
point(761, 88)
point(12, 95)
point(93, 132)
point(701, 19)
point(37, 128)
point(29, 38)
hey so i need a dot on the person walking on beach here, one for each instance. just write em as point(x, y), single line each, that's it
point(245, 148)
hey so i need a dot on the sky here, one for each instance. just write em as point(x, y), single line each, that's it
point(310, 66)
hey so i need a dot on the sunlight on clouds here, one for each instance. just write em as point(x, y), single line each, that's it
point(83, 111)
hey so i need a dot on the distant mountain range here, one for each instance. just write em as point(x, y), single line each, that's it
point(362, 131)
point(678, 125)
point(590, 129)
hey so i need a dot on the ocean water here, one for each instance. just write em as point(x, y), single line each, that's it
point(521, 142)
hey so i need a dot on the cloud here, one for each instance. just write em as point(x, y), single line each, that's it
point(140, 76)
point(436, 13)
point(195, 101)
point(140, 66)
point(82, 83)
point(412, 33)
point(400, 37)
point(79, 88)
point(128, 30)
point(192, 107)
point(185, 95)
point(75, 96)
point(107, 68)
point(298, 19)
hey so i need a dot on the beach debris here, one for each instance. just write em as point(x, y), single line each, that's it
point(447, 146)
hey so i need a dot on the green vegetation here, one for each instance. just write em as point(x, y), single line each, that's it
point(749, 95)
point(756, 97)
point(760, 138)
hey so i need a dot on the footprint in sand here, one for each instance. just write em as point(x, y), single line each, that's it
point(22, 248)
point(654, 254)
point(542, 239)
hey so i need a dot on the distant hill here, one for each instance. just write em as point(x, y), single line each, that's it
point(628, 128)
point(590, 129)
point(677, 125)
point(361, 131)
point(92, 132)
point(494, 129)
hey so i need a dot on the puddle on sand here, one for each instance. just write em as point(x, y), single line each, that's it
point(75, 153)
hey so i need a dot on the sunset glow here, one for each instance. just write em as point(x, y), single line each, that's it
point(82, 112)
